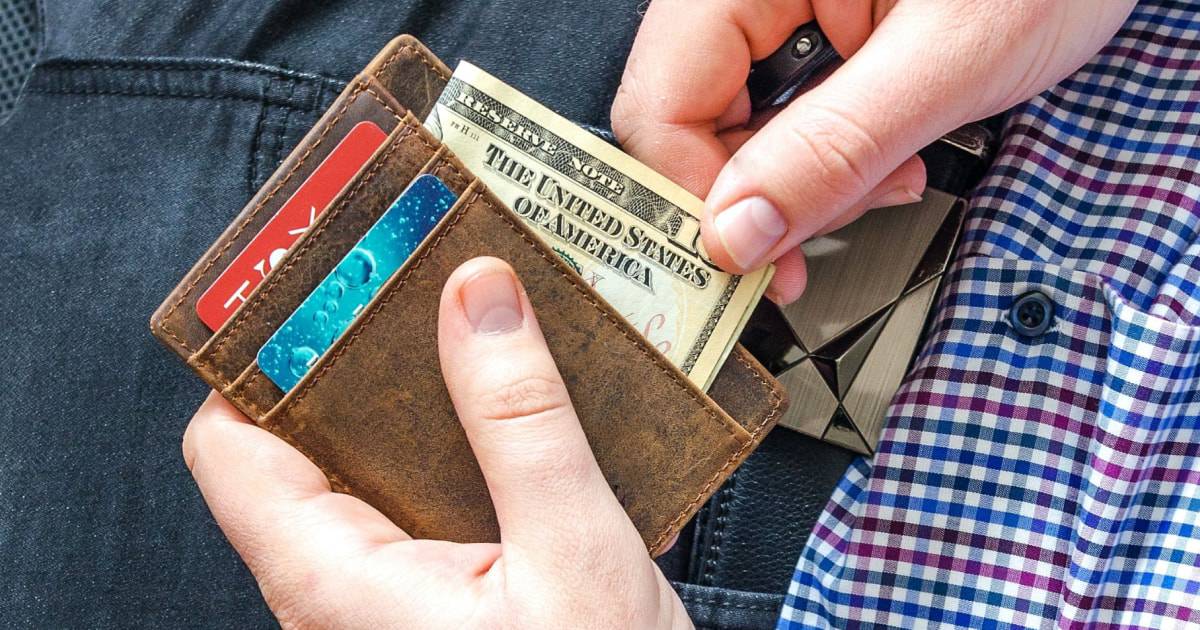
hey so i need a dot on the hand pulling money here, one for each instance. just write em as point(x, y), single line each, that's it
point(631, 233)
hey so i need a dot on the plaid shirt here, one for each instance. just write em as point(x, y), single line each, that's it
point(1050, 480)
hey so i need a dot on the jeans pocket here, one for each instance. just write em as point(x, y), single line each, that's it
point(713, 608)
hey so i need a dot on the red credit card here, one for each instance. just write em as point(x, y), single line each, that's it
point(298, 213)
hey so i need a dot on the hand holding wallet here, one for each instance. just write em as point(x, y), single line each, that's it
point(373, 412)
point(327, 560)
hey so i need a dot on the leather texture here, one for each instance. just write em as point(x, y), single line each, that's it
point(374, 413)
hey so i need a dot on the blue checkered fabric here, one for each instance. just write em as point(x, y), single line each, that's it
point(1051, 481)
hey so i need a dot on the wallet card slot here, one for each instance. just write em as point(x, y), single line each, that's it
point(175, 322)
point(253, 391)
point(227, 353)
point(748, 392)
point(405, 68)
point(374, 412)
point(251, 377)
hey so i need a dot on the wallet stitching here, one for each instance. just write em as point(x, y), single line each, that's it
point(751, 443)
point(255, 146)
point(264, 291)
point(239, 385)
point(776, 398)
point(166, 320)
point(425, 59)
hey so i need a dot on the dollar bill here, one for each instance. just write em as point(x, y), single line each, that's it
point(631, 233)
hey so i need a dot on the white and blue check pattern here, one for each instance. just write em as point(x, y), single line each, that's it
point(1050, 481)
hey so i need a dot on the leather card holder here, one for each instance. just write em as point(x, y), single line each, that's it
point(405, 66)
point(408, 152)
point(374, 413)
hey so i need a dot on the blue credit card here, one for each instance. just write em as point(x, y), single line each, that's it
point(329, 310)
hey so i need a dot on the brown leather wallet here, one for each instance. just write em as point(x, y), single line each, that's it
point(374, 414)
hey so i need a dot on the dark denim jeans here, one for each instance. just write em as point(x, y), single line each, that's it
point(144, 128)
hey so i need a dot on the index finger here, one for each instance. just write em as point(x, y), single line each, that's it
point(274, 505)
point(686, 72)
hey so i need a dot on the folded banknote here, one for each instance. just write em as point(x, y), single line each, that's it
point(631, 233)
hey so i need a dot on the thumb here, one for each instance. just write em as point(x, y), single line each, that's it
point(842, 146)
point(548, 492)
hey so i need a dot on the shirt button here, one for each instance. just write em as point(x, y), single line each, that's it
point(1032, 314)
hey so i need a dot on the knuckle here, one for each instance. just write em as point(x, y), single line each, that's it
point(524, 397)
point(627, 112)
point(639, 113)
point(307, 596)
point(188, 446)
point(203, 437)
point(294, 617)
point(843, 153)
point(269, 458)
point(294, 612)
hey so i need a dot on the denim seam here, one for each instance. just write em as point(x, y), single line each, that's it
point(186, 65)
point(65, 76)
point(152, 94)
point(727, 605)
point(255, 145)
point(41, 18)
point(281, 133)
point(718, 533)
point(252, 171)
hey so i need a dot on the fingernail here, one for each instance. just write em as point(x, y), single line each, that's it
point(895, 197)
point(749, 229)
point(491, 302)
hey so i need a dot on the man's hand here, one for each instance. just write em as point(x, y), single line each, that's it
point(915, 70)
point(568, 556)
